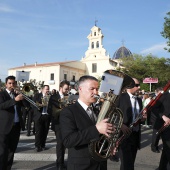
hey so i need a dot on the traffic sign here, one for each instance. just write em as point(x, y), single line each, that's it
point(150, 80)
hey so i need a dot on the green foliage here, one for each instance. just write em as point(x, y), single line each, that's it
point(142, 67)
point(166, 30)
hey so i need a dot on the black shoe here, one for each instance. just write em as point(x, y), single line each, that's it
point(44, 148)
point(61, 167)
point(38, 149)
point(114, 158)
point(28, 134)
point(156, 150)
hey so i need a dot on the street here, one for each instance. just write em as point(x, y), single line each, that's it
point(27, 159)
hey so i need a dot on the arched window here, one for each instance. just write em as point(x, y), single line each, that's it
point(92, 45)
point(97, 44)
point(94, 33)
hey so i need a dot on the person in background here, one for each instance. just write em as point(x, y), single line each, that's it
point(145, 103)
point(56, 104)
point(41, 119)
point(11, 123)
point(54, 91)
point(79, 128)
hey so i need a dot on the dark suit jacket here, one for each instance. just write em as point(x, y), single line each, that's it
point(77, 131)
point(54, 109)
point(37, 113)
point(162, 107)
point(7, 112)
point(125, 105)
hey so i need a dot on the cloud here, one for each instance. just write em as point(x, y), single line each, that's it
point(6, 9)
point(154, 49)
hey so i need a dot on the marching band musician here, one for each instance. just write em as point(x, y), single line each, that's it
point(162, 112)
point(55, 107)
point(79, 128)
point(11, 123)
point(131, 106)
point(41, 119)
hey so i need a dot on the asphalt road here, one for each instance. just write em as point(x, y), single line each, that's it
point(27, 159)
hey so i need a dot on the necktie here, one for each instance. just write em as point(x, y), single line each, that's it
point(16, 117)
point(11, 95)
point(135, 113)
point(90, 113)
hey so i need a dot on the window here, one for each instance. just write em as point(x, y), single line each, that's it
point(97, 44)
point(92, 45)
point(74, 78)
point(65, 76)
point(52, 76)
point(94, 67)
point(94, 33)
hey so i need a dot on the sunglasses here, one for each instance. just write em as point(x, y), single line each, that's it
point(137, 85)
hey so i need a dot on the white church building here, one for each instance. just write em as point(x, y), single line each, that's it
point(94, 63)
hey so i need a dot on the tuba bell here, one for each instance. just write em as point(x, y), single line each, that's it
point(113, 83)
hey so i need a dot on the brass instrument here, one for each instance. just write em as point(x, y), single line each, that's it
point(64, 102)
point(44, 101)
point(113, 82)
point(27, 88)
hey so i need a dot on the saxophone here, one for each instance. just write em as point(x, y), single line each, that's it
point(114, 82)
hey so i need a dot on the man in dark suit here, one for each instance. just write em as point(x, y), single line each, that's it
point(78, 127)
point(55, 106)
point(41, 119)
point(155, 120)
point(131, 106)
point(10, 123)
point(162, 112)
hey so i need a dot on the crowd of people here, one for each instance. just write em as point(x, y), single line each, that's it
point(72, 114)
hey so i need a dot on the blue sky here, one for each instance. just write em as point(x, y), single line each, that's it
point(56, 30)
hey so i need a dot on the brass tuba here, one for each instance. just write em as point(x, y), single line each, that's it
point(113, 82)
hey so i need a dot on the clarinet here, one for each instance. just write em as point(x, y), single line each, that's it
point(144, 111)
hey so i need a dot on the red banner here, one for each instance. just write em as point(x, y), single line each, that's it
point(150, 80)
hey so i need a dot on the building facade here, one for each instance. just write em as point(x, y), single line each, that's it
point(95, 62)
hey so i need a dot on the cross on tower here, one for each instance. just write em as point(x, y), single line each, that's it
point(95, 22)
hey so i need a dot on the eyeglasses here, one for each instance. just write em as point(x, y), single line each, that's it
point(137, 85)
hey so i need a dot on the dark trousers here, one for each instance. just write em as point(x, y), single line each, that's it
point(128, 150)
point(28, 115)
point(165, 156)
point(60, 149)
point(155, 139)
point(41, 130)
point(8, 145)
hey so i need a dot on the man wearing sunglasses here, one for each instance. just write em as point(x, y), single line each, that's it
point(131, 105)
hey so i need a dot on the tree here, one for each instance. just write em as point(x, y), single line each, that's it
point(166, 31)
point(141, 67)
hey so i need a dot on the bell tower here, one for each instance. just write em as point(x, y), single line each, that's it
point(95, 48)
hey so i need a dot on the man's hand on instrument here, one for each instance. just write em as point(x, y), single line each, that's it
point(105, 128)
point(125, 129)
point(166, 120)
point(19, 97)
point(144, 117)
